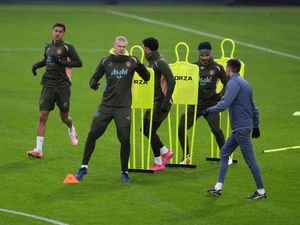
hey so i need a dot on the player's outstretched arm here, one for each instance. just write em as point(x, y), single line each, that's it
point(142, 71)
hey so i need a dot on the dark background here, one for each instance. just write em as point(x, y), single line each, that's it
point(223, 2)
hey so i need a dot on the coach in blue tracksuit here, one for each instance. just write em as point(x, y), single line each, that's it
point(244, 117)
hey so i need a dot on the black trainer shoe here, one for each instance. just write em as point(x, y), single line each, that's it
point(124, 177)
point(214, 192)
point(257, 196)
point(81, 173)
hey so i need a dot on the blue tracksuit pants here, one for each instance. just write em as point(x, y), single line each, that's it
point(242, 139)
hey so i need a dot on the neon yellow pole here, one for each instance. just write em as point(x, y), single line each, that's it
point(217, 146)
point(134, 138)
point(193, 135)
point(185, 134)
point(176, 138)
point(149, 140)
point(142, 139)
point(211, 145)
point(282, 149)
point(170, 134)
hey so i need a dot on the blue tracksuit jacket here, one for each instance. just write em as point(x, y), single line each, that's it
point(239, 99)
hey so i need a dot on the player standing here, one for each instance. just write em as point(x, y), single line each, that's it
point(163, 90)
point(210, 73)
point(118, 68)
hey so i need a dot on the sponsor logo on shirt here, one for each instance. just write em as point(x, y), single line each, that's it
point(203, 81)
point(49, 60)
point(119, 73)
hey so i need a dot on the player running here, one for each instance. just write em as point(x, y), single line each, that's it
point(59, 57)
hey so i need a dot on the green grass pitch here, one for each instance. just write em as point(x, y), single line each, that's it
point(174, 196)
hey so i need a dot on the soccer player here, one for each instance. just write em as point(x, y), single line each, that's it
point(164, 87)
point(59, 57)
point(244, 117)
point(210, 73)
point(118, 68)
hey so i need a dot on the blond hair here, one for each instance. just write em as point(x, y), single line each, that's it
point(121, 38)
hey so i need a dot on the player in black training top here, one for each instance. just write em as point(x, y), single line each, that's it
point(210, 74)
point(118, 68)
point(164, 87)
point(59, 58)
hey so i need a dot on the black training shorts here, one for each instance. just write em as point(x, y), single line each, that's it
point(58, 95)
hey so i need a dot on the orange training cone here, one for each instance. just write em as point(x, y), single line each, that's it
point(70, 179)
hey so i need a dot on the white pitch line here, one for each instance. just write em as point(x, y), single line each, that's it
point(217, 37)
point(32, 216)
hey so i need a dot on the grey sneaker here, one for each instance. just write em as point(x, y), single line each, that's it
point(214, 192)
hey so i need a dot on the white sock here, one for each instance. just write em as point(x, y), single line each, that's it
point(164, 150)
point(261, 191)
point(218, 186)
point(158, 160)
point(71, 129)
point(39, 143)
point(84, 166)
